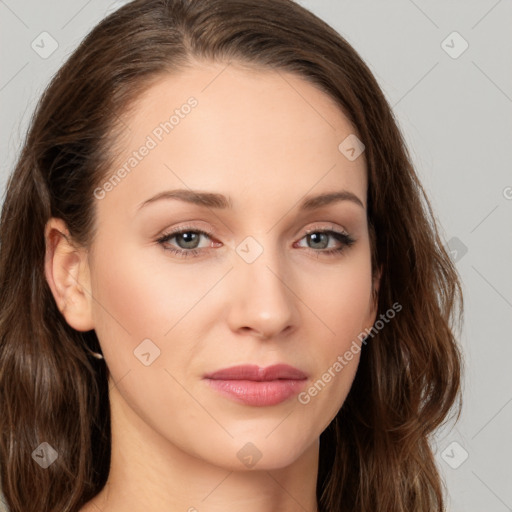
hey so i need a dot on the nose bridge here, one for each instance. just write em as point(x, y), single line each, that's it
point(262, 301)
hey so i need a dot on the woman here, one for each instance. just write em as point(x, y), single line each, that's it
point(222, 285)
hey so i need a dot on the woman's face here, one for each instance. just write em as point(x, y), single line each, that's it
point(241, 155)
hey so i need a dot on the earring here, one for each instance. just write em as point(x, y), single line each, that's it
point(97, 355)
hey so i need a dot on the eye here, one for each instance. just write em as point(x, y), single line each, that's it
point(185, 241)
point(186, 238)
point(319, 241)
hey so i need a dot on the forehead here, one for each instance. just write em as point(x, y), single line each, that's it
point(239, 129)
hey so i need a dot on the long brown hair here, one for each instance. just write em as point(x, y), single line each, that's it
point(376, 454)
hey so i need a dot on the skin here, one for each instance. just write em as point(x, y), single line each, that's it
point(267, 140)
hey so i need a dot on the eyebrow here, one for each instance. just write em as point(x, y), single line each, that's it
point(219, 201)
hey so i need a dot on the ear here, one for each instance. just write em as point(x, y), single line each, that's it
point(374, 300)
point(67, 274)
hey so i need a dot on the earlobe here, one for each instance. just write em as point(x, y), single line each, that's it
point(67, 274)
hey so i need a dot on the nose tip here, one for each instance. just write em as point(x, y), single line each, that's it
point(262, 303)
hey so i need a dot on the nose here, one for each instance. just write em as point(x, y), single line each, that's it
point(262, 302)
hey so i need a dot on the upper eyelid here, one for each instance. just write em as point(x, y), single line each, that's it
point(329, 229)
point(177, 231)
point(210, 234)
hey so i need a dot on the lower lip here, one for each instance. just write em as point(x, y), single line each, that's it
point(258, 393)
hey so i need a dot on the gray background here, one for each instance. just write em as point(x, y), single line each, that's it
point(455, 112)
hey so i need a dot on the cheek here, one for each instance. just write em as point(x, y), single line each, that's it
point(342, 303)
point(340, 295)
point(143, 293)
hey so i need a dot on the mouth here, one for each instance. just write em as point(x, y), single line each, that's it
point(256, 386)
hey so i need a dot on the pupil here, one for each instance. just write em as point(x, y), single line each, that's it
point(315, 238)
point(192, 239)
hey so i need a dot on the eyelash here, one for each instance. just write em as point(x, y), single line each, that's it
point(346, 240)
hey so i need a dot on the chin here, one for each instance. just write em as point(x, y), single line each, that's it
point(259, 453)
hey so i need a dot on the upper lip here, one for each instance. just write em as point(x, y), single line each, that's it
point(257, 373)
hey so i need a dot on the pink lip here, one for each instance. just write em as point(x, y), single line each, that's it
point(253, 385)
point(257, 373)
